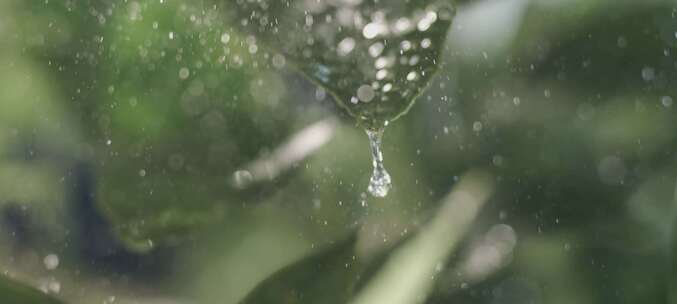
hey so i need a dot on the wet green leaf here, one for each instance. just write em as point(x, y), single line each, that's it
point(374, 57)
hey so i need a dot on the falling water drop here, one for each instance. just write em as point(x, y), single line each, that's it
point(380, 182)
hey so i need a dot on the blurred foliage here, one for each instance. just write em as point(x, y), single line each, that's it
point(306, 281)
point(129, 130)
point(12, 292)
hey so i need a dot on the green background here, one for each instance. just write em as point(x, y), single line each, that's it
point(131, 132)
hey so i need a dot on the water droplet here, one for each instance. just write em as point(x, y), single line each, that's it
point(279, 61)
point(381, 74)
point(412, 76)
point(648, 74)
point(242, 179)
point(51, 261)
point(346, 46)
point(426, 43)
point(666, 101)
point(376, 49)
point(225, 38)
point(184, 73)
point(365, 93)
point(380, 182)
point(374, 29)
point(477, 126)
point(387, 87)
point(425, 23)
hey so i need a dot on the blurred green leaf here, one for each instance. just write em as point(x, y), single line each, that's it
point(328, 276)
point(15, 293)
point(410, 272)
point(176, 115)
point(399, 276)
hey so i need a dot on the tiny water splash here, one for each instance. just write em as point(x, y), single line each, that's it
point(380, 182)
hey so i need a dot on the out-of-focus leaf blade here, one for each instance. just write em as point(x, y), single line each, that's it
point(175, 121)
point(325, 277)
point(403, 276)
point(15, 293)
point(408, 275)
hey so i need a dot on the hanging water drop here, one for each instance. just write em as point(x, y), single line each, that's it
point(374, 58)
point(380, 182)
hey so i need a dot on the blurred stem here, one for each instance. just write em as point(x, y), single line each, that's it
point(408, 276)
point(300, 146)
